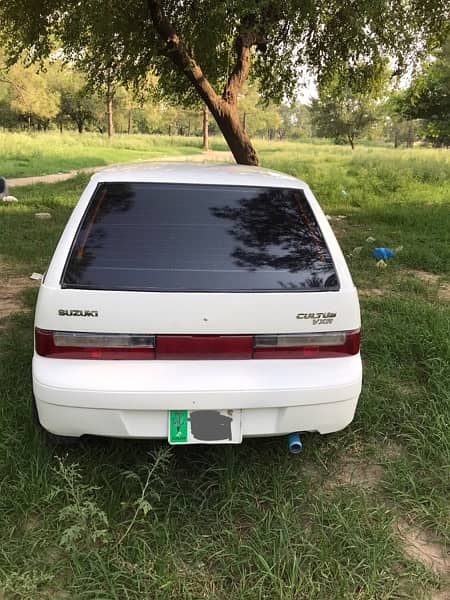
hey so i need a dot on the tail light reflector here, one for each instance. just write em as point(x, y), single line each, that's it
point(105, 346)
point(198, 347)
point(314, 345)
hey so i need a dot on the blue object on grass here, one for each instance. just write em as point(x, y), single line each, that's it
point(382, 253)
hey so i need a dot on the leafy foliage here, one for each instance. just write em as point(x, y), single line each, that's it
point(206, 48)
point(428, 98)
point(348, 107)
point(27, 94)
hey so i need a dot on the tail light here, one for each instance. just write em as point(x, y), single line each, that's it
point(198, 347)
point(118, 346)
point(106, 346)
point(314, 345)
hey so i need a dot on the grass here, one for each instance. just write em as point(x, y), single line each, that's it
point(120, 519)
point(25, 154)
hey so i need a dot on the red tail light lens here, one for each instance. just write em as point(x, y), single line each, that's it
point(198, 347)
point(66, 344)
point(104, 346)
point(316, 345)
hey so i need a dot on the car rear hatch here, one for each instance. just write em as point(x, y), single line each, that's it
point(184, 271)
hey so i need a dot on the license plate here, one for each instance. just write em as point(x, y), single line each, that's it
point(205, 427)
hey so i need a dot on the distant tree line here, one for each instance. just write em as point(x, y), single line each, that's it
point(345, 110)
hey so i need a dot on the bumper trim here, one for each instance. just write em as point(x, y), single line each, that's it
point(256, 422)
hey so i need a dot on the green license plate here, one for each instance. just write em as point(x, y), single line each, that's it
point(178, 427)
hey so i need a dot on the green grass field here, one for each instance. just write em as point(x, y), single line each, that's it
point(24, 154)
point(353, 517)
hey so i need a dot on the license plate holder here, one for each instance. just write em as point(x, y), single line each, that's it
point(204, 427)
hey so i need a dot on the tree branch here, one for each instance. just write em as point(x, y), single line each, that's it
point(19, 88)
point(241, 69)
point(181, 56)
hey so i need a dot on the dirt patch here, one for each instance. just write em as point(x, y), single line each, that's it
point(443, 595)
point(204, 157)
point(425, 276)
point(353, 471)
point(339, 230)
point(32, 522)
point(371, 292)
point(393, 450)
point(363, 471)
point(10, 286)
point(433, 279)
point(444, 292)
point(210, 156)
point(405, 389)
point(419, 545)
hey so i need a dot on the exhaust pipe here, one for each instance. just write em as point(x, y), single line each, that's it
point(294, 443)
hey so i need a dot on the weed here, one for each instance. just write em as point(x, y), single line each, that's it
point(83, 521)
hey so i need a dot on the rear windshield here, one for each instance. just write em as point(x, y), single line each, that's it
point(173, 237)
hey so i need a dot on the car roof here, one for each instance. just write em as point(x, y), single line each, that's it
point(194, 173)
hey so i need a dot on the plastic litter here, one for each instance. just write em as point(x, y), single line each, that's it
point(382, 253)
point(36, 276)
point(9, 199)
point(336, 217)
point(43, 215)
point(381, 264)
point(356, 251)
point(398, 249)
point(344, 193)
point(370, 239)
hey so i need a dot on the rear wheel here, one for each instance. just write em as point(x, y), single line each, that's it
point(51, 438)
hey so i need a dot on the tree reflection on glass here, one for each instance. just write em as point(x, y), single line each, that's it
point(276, 229)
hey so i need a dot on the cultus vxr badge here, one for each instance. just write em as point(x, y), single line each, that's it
point(77, 313)
point(318, 318)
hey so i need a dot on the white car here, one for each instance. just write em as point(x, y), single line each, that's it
point(196, 303)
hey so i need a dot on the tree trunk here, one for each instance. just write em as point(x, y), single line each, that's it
point(60, 127)
point(80, 126)
point(224, 107)
point(227, 119)
point(350, 141)
point(129, 121)
point(244, 122)
point(205, 130)
point(411, 136)
point(109, 110)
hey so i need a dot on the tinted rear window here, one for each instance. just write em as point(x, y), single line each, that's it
point(172, 237)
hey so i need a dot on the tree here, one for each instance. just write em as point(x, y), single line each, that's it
point(428, 98)
point(78, 104)
point(295, 120)
point(397, 128)
point(207, 48)
point(343, 118)
point(348, 107)
point(29, 95)
point(256, 115)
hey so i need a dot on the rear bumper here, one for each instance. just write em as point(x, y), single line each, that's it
point(132, 398)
